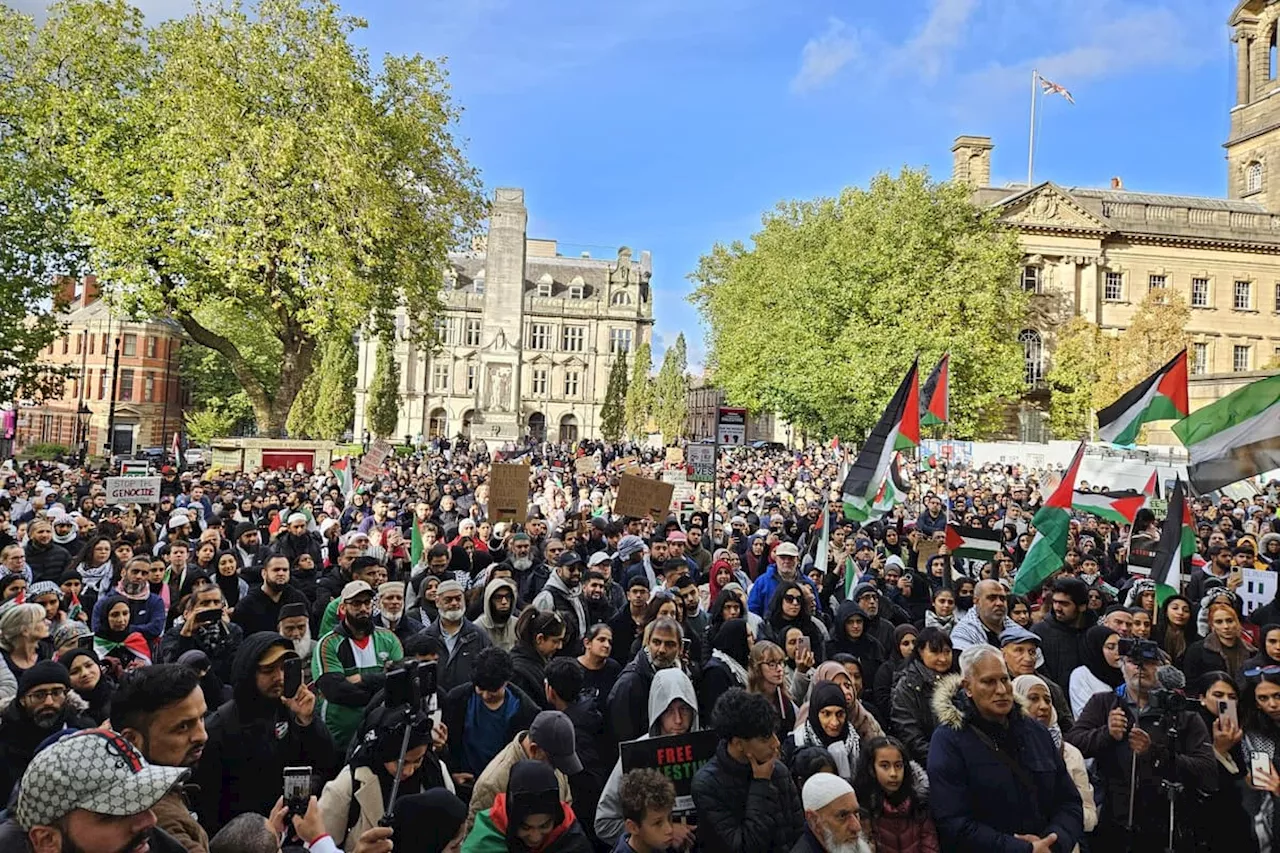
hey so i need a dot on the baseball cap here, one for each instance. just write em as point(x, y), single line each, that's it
point(93, 770)
point(552, 731)
point(275, 652)
point(354, 588)
point(177, 520)
point(598, 558)
point(787, 549)
point(1017, 634)
point(569, 558)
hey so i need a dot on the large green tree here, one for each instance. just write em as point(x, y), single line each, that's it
point(640, 393)
point(336, 404)
point(820, 316)
point(383, 394)
point(1079, 358)
point(243, 157)
point(671, 392)
point(613, 414)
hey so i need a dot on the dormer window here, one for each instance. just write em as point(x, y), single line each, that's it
point(544, 285)
point(477, 284)
point(1253, 177)
point(576, 287)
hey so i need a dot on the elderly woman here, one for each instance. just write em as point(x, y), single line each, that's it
point(1037, 702)
point(22, 627)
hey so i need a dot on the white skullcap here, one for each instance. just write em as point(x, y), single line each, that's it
point(296, 517)
point(822, 789)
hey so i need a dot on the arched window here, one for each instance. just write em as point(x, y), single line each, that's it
point(621, 298)
point(1032, 356)
point(569, 428)
point(538, 426)
point(436, 424)
point(1253, 177)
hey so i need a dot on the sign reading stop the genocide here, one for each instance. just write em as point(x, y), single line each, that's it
point(731, 428)
point(133, 490)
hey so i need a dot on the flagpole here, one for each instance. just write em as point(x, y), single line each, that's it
point(1031, 147)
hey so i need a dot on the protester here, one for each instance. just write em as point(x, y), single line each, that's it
point(1033, 695)
point(911, 708)
point(892, 790)
point(45, 704)
point(89, 682)
point(599, 670)
point(997, 781)
point(832, 817)
point(530, 815)
point(540, 634)
point(462, 638)
point(744, 795)
point(631, 692)
point(484, 715)
point(1062, 634)
point(1100, 670)
point(549, 739)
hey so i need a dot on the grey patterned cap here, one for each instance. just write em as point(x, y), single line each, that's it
point(94, 770)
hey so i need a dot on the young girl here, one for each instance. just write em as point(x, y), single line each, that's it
point(890, 791)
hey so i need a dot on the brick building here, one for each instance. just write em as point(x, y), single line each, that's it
point(146, 389)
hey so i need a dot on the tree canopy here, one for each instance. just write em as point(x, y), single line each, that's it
point(671, 392)
point(244, 160)
point(640, 393)
point(613, 413)
point(820, 316)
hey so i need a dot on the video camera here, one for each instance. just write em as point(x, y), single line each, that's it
point(1167, 698)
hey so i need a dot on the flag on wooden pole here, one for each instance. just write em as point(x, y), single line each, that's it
point(897, 429)
point(1048, 550)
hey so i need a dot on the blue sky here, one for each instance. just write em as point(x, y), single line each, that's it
point(669, 125)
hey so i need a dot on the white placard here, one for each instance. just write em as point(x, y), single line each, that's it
point(1258, 589)
point(702, 462)
point(133, 490)
point(731, 426)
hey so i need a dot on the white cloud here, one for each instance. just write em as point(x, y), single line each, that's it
point(823, 56)
point(1145, 39)
point(942, 32)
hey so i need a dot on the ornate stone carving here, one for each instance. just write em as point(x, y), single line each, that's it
point(1048, 207)
point(498, 388)
point(621, 273)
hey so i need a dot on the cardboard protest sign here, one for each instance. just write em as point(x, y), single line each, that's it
point(586, 465)
point(924, 551)
point(678, 757)
point(371, 464)
point(640, 496)
point(675, 455)
point(509, 492)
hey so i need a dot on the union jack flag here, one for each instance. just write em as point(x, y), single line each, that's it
point(1051, 88)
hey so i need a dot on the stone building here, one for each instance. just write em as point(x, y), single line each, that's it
point(1097, 253)
point(527, 338)
point(146, 390)
point(704, 401)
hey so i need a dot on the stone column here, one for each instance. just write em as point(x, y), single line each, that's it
point(1243, 47)
point(1090, 291)
point(503, 322)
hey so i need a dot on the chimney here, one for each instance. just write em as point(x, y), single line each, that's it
point(971, 163)
point(64, 291)
point(1117, 184)
point(92, 290)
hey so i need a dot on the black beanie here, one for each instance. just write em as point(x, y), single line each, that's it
point(532, 789)
point(44, 672)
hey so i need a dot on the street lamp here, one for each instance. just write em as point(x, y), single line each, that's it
point(83, 413)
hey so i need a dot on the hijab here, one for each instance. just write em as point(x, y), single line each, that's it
point(732, 648)
point(845, 746)
point(1022, 689)
point(1095, 661)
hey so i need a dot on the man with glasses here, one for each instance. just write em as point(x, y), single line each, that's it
point(463, 639)
point(40, 709)
point(350, 660)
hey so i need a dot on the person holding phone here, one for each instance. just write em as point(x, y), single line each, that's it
point(1260, 709)
point(1221, 814)
point(204, 626)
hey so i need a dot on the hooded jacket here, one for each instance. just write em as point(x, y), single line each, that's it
point(668, 686)
point(629, 696)
point(978, 801)
point(742, 814)
point(502, 635)
point(911, 714)
point(251, 740)
point(866, 648)
point(490, 833)
point(454, 716)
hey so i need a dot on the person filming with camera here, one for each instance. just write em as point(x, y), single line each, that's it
point(1148, 744)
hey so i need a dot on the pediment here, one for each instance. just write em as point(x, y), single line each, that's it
point(1048, 206)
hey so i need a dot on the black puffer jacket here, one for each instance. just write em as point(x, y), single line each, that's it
point(47, 563)
point(740, 814)
point(19, 736)
point(1061, 646)
point(911, 718)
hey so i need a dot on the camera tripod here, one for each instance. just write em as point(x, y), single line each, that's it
point(1176, 841)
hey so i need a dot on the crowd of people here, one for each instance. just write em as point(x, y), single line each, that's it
point(261, 661)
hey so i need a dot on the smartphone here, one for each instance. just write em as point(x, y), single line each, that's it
point(427, 678)
point(687, 644)
point(297, 788)
point(1259, 765)
point(292, 677)
point(1227, 711)
point(85, 642)
point(804, 644)
point(204, 617)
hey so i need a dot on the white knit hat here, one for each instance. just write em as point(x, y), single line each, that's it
point(822, 789)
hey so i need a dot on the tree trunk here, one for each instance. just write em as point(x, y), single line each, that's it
point(269, 410)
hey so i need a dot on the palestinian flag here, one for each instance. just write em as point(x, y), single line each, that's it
point(74, 607)
point(274, 527)
point(135, 644)
point(897, 429)
point(416, 544)
point(1152, 488)
point(1166, 570)
point(972, 543)
point(1188, 530)
point(345, 475)
point(1161, 396)
point(935, 398)
point(1120, 507)
point(1234, 438)
point(1048, 549)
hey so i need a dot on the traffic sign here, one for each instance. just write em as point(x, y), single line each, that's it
point(731, 427)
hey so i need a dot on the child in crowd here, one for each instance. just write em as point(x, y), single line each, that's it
point(647, 800)
point(890, 789)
